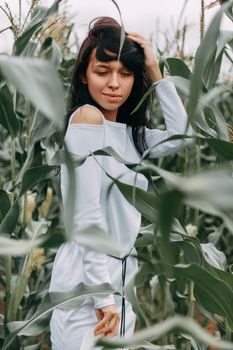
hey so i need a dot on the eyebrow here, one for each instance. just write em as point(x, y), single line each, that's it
point(105, 65)
point(100, 65)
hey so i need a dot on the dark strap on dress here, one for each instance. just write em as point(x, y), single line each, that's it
point(122, 328)
point(124, 265)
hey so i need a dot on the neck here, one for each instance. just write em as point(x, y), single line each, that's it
point(110, 115)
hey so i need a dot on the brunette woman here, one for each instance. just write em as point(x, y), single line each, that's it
point(104, 92)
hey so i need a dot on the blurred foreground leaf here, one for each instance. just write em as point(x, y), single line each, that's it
point(38, 81)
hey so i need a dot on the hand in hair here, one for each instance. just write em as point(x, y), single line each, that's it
point(151, 61)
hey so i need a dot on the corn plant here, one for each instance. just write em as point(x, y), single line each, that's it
point(186, 213)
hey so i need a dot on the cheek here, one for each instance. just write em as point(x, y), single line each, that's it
point(129, 86)
point(93, 82)
point(94, 85)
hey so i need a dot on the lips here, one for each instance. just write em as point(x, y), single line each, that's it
point(111, 95)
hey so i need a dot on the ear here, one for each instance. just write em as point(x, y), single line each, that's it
point(84, 80)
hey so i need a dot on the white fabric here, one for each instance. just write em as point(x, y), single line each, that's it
point(113, 213)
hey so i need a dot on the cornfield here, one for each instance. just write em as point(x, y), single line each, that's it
point(184, 297)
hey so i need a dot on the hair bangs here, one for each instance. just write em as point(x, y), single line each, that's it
point(108, 41)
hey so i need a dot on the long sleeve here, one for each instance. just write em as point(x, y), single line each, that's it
point(175, 118)
point(81, 139)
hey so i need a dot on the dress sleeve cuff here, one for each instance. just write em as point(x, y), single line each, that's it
point(99, 303)
point(163, 81)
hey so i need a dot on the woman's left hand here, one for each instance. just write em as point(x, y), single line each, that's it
point(109, 320)
point(151, 61)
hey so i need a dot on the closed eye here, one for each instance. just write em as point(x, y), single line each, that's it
point(126, 73)
point(101, 72)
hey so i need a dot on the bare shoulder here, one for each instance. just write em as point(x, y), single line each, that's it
point(87, 115)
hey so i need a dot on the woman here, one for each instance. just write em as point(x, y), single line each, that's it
point(104, 92)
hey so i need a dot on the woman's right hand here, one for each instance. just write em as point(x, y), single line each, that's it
point(109, 320)
point(151, 60)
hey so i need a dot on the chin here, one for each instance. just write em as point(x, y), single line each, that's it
point(110, 107)
point(107, 109)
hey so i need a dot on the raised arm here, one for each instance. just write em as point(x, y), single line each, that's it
point(172, 108)
point(175, 117)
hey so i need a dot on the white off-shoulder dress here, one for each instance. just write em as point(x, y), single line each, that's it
point(75, 263)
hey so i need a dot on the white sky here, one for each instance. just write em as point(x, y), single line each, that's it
point(146, 16)
point(142, 16)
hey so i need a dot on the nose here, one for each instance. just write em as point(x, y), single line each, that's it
point(113, 82)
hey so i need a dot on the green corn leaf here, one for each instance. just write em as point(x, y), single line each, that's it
point(8, 117)
point(203, 56)
point(66, 300)
point(184, 324)
point(38, 20)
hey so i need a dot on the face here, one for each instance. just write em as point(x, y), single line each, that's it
point(109, 84)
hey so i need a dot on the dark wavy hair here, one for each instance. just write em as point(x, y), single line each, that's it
point(105, 35)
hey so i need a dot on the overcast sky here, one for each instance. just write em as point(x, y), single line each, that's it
point(142, 16)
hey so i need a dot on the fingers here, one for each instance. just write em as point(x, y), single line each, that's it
point(151, 61)
point(135, 35)
point(103, 322)
point(139, 40)
point(99, 314)
point(112, 328)
point(108, 325)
